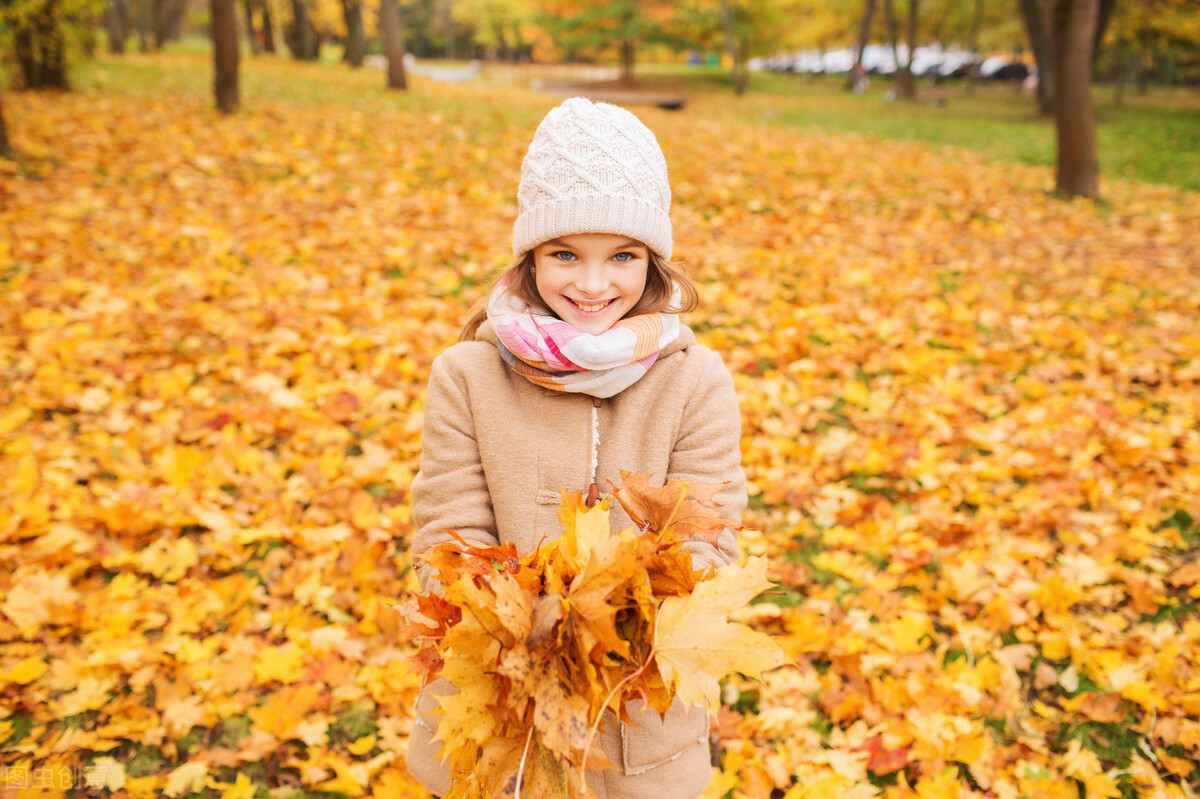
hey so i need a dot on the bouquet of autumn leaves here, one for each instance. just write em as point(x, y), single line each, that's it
point(540, 646)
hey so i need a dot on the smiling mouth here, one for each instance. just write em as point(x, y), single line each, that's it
point(591, 307)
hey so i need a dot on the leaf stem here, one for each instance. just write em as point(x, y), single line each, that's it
point(521, 768)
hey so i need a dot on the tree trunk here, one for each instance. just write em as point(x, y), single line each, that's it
point(737, 75)
point(356, 34)
point(448, 24)
point(628, 62)
point(910, 91)
point(973, 44)
point(40, 45)
point(1107, 7)
point(906, 85)
point(116, 28)
point(251, 32)
point(158, 18)
point(303, 39)
point(393, 43)
point(1071, 28)
point(268, 30)
point(176, 9)
point(1124, 75)
point(864, 38)
point(501, 41)
point(1032, 14)
point(142, 14)
point(225, 55)
point(5, 150)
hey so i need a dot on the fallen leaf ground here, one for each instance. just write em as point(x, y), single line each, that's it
point(970, 429)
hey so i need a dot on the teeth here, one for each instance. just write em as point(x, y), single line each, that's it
point(590, 308)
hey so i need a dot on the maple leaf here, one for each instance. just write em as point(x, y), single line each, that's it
point(583, 529)
point(186, 779)
point(687, 509)
point(695, 644)
point(588, 601)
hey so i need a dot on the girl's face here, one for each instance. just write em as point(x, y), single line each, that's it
point(590, 280)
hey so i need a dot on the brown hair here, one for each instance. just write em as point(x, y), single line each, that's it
point(656, 297)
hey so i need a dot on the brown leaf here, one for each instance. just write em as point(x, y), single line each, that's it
point(686, 510)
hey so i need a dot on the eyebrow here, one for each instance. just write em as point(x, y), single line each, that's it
point(626, 245)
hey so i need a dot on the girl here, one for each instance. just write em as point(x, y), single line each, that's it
point(579, 367)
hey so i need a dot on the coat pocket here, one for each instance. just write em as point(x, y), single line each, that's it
point(650, 741)
point(423, 756)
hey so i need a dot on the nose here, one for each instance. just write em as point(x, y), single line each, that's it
point(593, 279)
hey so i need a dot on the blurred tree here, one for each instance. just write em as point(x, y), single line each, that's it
point(268, 29)
point(1070, 28)
point(260, 32)
point(391, 26)
point(1141, 31)
point(301, 37)
point(1033, 13)
point(581, 29)
point(252, 37)
point(499, 24)
point(225, 55)
point(448, 27)
point(742, 29)
point(822, 23)
point(5, 150)
point(44, 34)
point(864, 38)
point(356, 33)
point(906, 83)
point(116, 14)
point(167, 17)
point(734, 49)
point(141, 23)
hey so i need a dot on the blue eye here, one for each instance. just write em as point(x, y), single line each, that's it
point(563, 255)
point(624, 257)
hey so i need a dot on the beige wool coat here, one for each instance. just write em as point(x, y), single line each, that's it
point(497, 450)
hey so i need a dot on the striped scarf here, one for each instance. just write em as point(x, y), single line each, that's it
point(555, 355)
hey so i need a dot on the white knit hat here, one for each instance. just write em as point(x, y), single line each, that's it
point(593, 168)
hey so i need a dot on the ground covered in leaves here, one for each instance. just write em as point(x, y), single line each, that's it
point(970, 430)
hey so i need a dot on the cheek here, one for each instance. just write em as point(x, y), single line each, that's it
point(637, 286)
point(547, 286)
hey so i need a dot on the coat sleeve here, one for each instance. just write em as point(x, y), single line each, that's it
point(708, 450)
point(450, 491)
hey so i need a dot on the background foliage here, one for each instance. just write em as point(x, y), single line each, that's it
point(970, 428)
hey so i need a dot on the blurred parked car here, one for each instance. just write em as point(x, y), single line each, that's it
point(1003, 68)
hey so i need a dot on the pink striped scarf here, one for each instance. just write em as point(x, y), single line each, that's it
point(555, 355)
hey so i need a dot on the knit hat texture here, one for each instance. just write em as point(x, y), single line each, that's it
point(593, 168)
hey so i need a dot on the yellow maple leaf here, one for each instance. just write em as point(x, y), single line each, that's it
point(1103, 786)
point(25, 672)
point(1078, 762)
point(907, 633)
point(696, 645)
point(283, 663)
point(13, 418)
point(941, 785)
point(105, 772)
point(361, 746)
point(583, 529)
point(186, 779)
point(242, 788)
